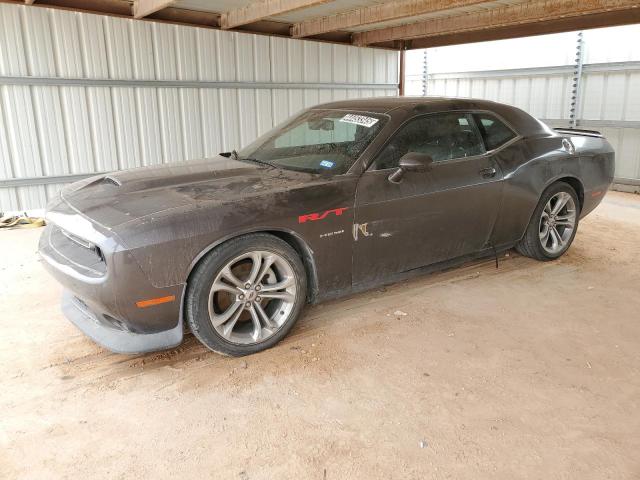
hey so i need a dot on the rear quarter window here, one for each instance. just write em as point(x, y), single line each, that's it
point(494, 132)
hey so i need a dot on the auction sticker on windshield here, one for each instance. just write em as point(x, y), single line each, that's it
point(363, 120)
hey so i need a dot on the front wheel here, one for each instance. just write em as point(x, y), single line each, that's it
point(553, 225)
point(246, 295)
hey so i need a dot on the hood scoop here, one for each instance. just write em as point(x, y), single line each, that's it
point(109, 180)
point(106, 180)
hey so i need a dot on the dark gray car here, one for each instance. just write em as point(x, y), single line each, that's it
point(342, 197)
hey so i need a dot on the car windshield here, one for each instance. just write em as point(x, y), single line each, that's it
point(317, 141)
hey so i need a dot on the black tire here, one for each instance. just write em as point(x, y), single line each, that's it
point(200, 283)
point(531, 245)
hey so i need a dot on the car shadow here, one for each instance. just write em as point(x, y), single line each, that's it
point(297, 351)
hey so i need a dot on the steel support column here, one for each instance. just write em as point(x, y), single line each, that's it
point(574, 109)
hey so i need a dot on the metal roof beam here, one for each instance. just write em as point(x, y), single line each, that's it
point(261, 9)
point(143, 8)
point(375, 14)
point(519, 15)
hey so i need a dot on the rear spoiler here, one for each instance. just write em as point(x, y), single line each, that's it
point(578, 131)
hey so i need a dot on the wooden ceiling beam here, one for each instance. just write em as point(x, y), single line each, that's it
point(524, 14)
point(375, 14)
point(186, 17)
point(143, 8)
point(261, 9)
point(567, 24)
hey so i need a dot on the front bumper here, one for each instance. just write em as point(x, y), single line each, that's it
point(116, 340)
point(106, 291)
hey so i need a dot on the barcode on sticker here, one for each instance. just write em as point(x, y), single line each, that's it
point(363, 120)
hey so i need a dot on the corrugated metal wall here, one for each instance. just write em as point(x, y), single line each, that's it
point(83, 93)
point(536, 75)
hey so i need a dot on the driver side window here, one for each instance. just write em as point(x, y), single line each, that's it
point(443, 136)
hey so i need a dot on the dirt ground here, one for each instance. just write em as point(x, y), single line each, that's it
point(530, 371)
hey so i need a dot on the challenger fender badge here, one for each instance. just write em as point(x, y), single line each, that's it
point(362, 229)
point(312, 217)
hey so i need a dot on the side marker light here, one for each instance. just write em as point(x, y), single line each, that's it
point(155, 301)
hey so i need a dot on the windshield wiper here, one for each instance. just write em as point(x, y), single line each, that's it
point(236, 156)
point(255, 160)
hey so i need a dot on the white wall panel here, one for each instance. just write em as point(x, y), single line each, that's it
point(142, 49)
point(211, 131)
point(593, 92)
point(558, 97)
point(55, 130)
point(522, 94)
point(38, 39)
point(464, 87)
point(492, 89)
point(627, 145)
point(12, 48)
point(632, 104)
point(149, 135)
point(506, 92)
point(77, 129)
point(478, 88)
point(22, 139)
point(170, 124)
point(101, 123)
point(6, 164)
point(127, 131)
point(50, 127)
point(538, 97)
point(614, 96)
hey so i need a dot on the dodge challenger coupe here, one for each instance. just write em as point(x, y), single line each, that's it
point(340, 198)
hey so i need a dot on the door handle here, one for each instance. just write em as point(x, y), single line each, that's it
point(488, 172)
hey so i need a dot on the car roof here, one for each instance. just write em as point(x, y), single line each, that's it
point(523, 123)
point(386, 104)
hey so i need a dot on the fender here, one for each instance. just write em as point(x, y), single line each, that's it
point(550, 182)
point(307, 259)
point(560, 177)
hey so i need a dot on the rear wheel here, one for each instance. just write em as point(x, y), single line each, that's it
point(553, 225)
point(246, 295)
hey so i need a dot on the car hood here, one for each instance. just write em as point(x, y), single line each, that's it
point(117, 198)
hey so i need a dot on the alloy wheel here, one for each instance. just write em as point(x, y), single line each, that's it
point(557, 223)
point(252, 297)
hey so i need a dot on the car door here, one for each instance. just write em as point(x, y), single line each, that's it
point(428, 217)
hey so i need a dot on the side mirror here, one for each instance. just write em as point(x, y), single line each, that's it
point(411, 162)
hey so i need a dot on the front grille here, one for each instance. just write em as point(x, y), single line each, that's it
point(80, 254)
